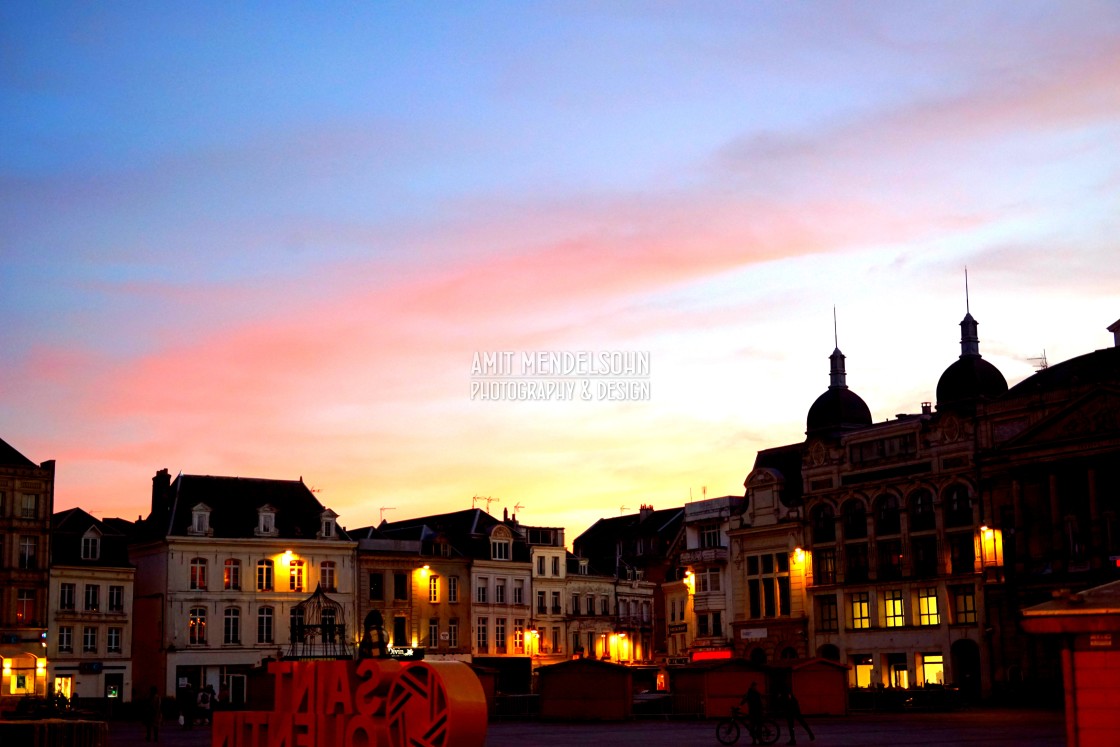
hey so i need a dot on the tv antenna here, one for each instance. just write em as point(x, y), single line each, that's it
point(383, 509)
point(476, 498)
point(1039, 362)
point(623, 509)
point(517, 507)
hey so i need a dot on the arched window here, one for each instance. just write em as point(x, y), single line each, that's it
point(824, 524)
point(197, 626)
point(957, 506)
point(921, 510)
point(231, 628)
point(198, 573)
point(887, 515)
point(855, 520)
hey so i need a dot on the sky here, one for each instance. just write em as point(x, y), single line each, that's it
point(270, 239)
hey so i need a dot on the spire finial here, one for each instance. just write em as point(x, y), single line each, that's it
point(966, 309)
point(835, 334)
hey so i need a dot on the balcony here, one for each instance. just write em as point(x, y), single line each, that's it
point(704, 555)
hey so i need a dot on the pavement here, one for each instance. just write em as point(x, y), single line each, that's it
point(981, 727)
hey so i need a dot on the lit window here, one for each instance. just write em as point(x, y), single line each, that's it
point(197, 626)
point(933, 669)
point(295, 575)
point(893, 609)
point(433, 589)
point(231, 576)
point(964, 604)
point(928, 613)
point(861, 610)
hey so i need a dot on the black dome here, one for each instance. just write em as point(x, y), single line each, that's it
point(838, 408)
point(969, 378)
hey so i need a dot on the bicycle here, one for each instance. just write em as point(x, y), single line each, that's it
point(767, 730)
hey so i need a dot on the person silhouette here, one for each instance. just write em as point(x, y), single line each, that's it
point(373, 645)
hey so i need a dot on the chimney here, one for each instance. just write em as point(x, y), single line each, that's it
point(1115, 330)
point(645, 511)
point(927, 408)
point(161, 489)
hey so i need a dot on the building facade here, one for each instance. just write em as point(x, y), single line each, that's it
point(26, 505)
point(89, 645)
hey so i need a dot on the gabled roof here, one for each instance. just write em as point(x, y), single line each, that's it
point(9, 457)
point(234, 504)
point(70, 526)
point(468, 531)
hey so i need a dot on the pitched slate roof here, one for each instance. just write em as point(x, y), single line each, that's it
point(468, 532)
point(787, 460)
point(600, 542)
point(9, 457)
point(233, 503)
point(70, 526)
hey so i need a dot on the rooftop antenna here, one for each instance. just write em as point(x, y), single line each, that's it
point(383, 509)
point(623, 509)
point(704, 490)
point(517, 507)
point(476, 498)
point(1039, 362)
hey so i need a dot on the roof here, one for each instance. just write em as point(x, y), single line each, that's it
point(1093, 611)
point(468, 532)
point(70, 526)
point(839, 408)
point(787, 461)
point(1097, 367)
point(968, 379)
point(9, 457)
point(234, 504)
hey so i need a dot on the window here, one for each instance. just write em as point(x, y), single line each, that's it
point(893, 609)
point(556, 566)
point(481, 592)
point(453, 633)
point(25, 606)
point(376, 586)
point(89, 639)
point(29, 506)
point(327, 524)
point(590, 604)
point(709, 536)
point(575, 604)
point(887, 515)
point(231, 575)
point(266, 521)
point(66, 594)
point(556, 641)
point(540, 565)
point(200, 520)
point(433, 589)
point(264, 625)
point(28, 553)
point(923, 556)
point(483, 636)
point(433, 632)
point(91, 547)
point(860, 607)
point(604, 605)
point(113, 641)
point(197, 626)
point(264, 575)
point(957, 506)
point(93, 598)
point(198, 573)
point(519, 636)
point(964, 604)
point(702, 625)
point(829, 619)
point(927, 607)
point(556, 609)
point(519, 591)
point(295, 624)
point(708, 579)
point(824, 524)
point(400, 586)
point(400, 631)
point(890, 559)
point(231, 628)
point(824, 566)
point(327, 576)
point(66, 638)
point(116, 599)
point(499, 549)
point(295, 575)
point(768, 588)
point(500, 635)
point(500, 591)
point(453, 589)
point(541, 607)
point(855, 520)
point(962, 552)
point(933, 669)
point(856, 555)
point(921, 511)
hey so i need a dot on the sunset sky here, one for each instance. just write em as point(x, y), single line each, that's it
point(267, 240)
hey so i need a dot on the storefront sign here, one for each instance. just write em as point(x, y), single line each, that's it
point(752, 634)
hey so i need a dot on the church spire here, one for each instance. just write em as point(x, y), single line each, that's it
point(970, 339)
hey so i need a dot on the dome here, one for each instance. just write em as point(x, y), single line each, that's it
point(969, 378)
point(838, 408)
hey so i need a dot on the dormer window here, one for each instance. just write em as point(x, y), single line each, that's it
point(500, 543)
point(266, 522)
point(91, 545)
point(327, 525)
point(200, 520)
